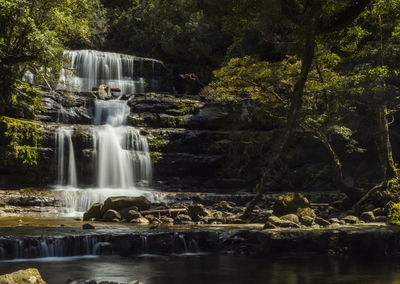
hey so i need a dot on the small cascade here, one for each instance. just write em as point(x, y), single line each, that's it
point(122, 153)
point(65, 146)
point(90, 68)
point(107, 243)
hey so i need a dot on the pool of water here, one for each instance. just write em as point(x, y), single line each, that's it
point(215, 268)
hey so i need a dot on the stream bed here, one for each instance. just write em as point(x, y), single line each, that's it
point(214, 268)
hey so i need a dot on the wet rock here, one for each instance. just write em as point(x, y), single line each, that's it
point(351, 220)
point(111, 215)
point(166, 220)
point(119, 202)
point(367, 216)
point(27, 276)
point(274, 220)
point(182, 219)
point(88, 227)
point(382, 219)
point(306, 212)
point(196, 212)
point(379, 211)
point(306, 220)
point(290, 203)
point(290, 217)
point(129, 213)
point(93, 212)
point(321, 221)
point(269, 225)
point(225, 206)
point(140, 221)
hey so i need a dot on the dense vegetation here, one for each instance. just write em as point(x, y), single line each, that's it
point(326, 70)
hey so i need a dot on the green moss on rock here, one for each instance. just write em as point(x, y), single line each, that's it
point(19, 141)
point(394, 214)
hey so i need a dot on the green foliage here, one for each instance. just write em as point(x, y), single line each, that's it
point(19, 140)
point(394, 215)
point(155, 157)
point(22, 101)
point(33, 33)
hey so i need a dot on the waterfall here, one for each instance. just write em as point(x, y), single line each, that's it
point(122, 153)
point(122, 159)
point(64, 136)
point(90, 68)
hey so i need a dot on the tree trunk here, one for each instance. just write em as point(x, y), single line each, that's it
point(382, 141)
point(353, 193)
point(295, 104)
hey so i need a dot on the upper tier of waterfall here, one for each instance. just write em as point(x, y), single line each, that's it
point(130, 74)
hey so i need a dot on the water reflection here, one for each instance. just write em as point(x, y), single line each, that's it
point(218, 269)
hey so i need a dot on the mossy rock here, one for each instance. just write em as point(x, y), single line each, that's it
point(93, 212)
point(289, 203)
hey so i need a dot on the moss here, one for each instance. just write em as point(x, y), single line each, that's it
point(394, 215)
point(155, 157)
point(173, 121)
point(20, 140)
point(303, 212)
point(158, 142)
point(23, 101)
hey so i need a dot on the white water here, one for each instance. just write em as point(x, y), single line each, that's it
point(122, 159)
point(64, 146)
point(90, 68)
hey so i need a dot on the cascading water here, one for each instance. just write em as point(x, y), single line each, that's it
point(64, 137)
point(120, 154)
point(90, 68)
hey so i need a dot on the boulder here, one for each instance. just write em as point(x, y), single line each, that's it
point(351, 220)
point(290, 217)
point(182, 219)
point(306, 212)
point(225, 206)
point(321, 221)
point(269, 225)
point(140, 221)
point(125, 212)
point(119, 202)
point(88, 227)
point(111, 215)
point(196, 212)
point(93, 212)
point(379, 211)
point(307, 220)
point(28, 276)
point(290, 203)
point(166, 220)
point(274, 220)
point(368, 216)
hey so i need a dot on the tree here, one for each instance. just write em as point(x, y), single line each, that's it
point(310, 18)
point(33, 34)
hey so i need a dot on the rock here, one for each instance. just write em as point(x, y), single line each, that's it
point(189, 83)
point(379, 211)
point(290, 203)
point(306, 220)
point(274, 220)
point(225, 206)
point(140, 221)
point(88, 227)
point(334, 225)
point(93, 212)
point(103, 92)
point(269, 225)
point(166, 220)
point(125, 212)
point(196, 212)
point(111, 215)
point(290, 217)
point(322, 222)
point(381, 219)
point(288, 224)
point(351, 220)
point(334, 220)
point(306, 212)
point(119, 202)
point(133, 214)
point(182, 219)
point(28, 276)
point(368, 216)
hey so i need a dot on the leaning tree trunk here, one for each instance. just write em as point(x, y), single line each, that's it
point(382, 141)
point(295, 104)
point(353, 193)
